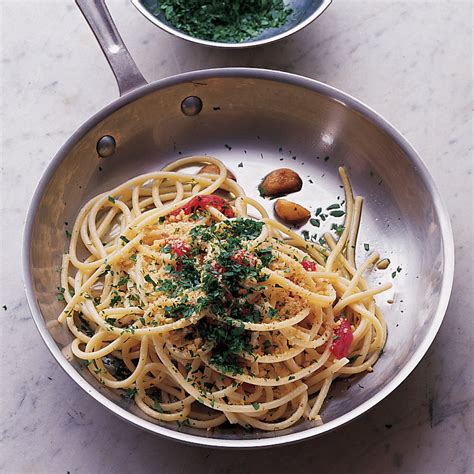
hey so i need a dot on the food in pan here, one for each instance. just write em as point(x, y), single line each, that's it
point(182, 293)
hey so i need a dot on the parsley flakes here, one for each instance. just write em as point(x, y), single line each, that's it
point(227, 22)
point(60, 294)
point(129, 394)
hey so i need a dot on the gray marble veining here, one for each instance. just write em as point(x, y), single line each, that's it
point(410, 60)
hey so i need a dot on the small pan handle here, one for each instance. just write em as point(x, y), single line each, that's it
point(123, 66)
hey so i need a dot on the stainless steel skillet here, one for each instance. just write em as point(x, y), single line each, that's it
point(255, 121)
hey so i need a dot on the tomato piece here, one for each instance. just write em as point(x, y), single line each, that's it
point(227, 211)
point(242, 257)
point(217, 268)
point(178, 246)
point(201, 202)
point(308, 265)
point(342, 339)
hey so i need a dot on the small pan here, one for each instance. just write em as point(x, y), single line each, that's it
point(304, 12)
point(255, 121)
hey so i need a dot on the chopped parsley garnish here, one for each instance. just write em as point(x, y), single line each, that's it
point(111, 199)
point(227, 22)
point(149, 279)
point(129, 393)
point(115, 299)
point(219, 283)
point(157, 406)
point(60, 295)
point(338, 229)
point(84, 325)
point(228, 343)
point(130, 329)
point(272, 313)
point(265, 255)
point(366, 247)
point(224, 281)
point(398, 270)
point(124, 239)
point(123, 280)
point(180, 310)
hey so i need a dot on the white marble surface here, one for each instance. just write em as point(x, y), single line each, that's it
point(410, 60)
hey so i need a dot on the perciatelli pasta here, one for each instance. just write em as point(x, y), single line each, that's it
point(205, 311)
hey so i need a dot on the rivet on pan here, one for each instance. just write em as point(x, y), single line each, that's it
point(192, 105)
point(106, 146)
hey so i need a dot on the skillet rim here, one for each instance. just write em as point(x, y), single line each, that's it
point(276, 76)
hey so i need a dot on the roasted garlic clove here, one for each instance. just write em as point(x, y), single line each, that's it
point(383, 264)
point(280, 182)
point(291, 212)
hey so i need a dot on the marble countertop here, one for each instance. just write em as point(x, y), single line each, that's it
point(410, 60)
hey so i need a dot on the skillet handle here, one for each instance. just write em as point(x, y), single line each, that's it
point(123, 66)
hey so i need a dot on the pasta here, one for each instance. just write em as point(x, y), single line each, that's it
point(184, 294)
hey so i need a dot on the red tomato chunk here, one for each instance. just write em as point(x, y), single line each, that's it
point(201, 202)
point(178, 247)
point(342, 339)
point(242, 257)
point(308, 265)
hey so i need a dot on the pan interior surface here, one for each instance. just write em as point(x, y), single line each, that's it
point(256, 125)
